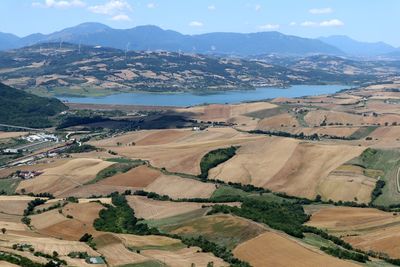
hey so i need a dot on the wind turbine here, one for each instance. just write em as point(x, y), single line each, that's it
point(126, 48)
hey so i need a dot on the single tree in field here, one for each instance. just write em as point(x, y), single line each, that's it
point(3, 230)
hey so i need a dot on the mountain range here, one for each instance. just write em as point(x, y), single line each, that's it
point(153, 38)
point(357, 48)
point(85, 70)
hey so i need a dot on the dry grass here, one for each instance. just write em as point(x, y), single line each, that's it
point(285, 165)
point(55, 224)
point(347, 183)
point(184, 257)
point(276, 250)
point(256, 162)
point(6, 135)
point(364, 228)
point(180, 153)
point(116, 254)
point(177, 187)
point(153, 209)
point(138, 177)
point(343, 219)
point(60, 179)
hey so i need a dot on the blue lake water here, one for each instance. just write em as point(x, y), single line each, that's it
point(190, 99)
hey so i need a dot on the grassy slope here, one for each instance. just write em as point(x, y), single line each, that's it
point(387, 161)
point(363, 132)
point(9, 185)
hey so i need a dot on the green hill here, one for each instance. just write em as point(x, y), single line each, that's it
point(23, 109)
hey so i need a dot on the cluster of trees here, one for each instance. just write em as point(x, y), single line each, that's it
point(18, 260)
point(120, 218)
point(377, 190)
point(345, 254)
point(32, 204)
point(301, 136)
point(78, 255)
point(75, 148)
point(47, 195)
point(70, 121)
point(24, 109)
point(54, 259)
point(286, 217)
point(214, 158)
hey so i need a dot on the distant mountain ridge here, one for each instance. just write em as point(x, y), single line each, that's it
point(357, 48)
point(154, 38)
point(70, 69)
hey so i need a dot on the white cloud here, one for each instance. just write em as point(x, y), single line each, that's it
point(325, 23)
point(318, 11)
point(309, 24)
point(59, 4)
point(196, 24)
point(332, 23)
point(151, 5)
point(121, 17)
point(257, 8)
point(293, 23)
point(112, 7)
point(269, 27)
point(211, 7)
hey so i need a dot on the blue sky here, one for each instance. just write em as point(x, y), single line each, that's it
point(365, 20)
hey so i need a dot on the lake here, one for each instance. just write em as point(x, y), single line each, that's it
point(190, 99)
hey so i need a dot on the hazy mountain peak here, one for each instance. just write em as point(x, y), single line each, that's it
point(358, 48)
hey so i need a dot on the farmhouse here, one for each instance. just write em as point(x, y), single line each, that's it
point(95, 260)
point(10, 150)
point(28, 174)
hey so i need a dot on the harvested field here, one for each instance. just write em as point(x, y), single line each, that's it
point(364, 228)
point(347, 183)
point(116, 254)
point(162, 137)
point(54, 224)
point(308, 166)
point(316, 117)
point(48, 245)
point(62, 178)
point(14, 205)
point(226, 230)
point(139, 177)
point(383, 239)
point(7, 264)
point(177, 187)
point(285, 165)
point(275, 250)
point(6, 135)
point(95, 190)
point(347, 219)
point(278, 122)
point(187, 151)
point(184, 257)
point(139, 241)
point(386, 137)
point(256, 162)
point(153, 209)
point(219, 112)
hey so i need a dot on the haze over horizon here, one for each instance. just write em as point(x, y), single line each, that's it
point(305, 18)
